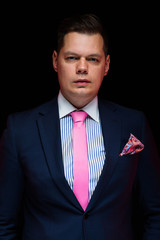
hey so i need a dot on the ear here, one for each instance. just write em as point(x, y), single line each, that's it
point(107, 63)
point(54, 60)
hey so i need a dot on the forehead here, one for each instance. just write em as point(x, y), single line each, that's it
point(83, 43)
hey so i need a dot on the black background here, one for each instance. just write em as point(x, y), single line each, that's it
point(28, 40)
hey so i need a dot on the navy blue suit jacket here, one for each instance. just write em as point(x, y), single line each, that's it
point(36, 202)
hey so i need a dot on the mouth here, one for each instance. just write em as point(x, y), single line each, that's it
point(82, 82)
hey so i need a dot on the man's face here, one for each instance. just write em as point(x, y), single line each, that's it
point(81, 65)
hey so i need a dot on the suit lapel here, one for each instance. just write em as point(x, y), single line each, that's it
point(49, 129)
point(111, 129)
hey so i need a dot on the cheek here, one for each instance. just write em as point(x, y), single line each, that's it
point(65, 77)
point(65, 71)
point(98, 83)
point(98, 75)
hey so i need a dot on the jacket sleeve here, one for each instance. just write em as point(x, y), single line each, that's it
point(148, 186)
point(11, 185)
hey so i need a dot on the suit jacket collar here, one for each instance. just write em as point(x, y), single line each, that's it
point(49, 129)
point(111, 129)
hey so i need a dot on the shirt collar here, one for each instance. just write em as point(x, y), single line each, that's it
point(66, 107)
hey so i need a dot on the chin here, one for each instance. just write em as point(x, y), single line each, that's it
point(83, 92)
point(80, 100)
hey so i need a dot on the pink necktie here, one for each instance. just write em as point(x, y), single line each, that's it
point(80, 159)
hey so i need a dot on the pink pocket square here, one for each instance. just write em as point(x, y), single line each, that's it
point(133, 146)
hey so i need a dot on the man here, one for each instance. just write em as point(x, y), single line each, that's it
point(37, 155)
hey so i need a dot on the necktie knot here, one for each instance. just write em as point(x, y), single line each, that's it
point(79, 116)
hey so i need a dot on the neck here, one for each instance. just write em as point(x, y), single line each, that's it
point(79, 101)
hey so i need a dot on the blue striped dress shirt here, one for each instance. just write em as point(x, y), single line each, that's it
point(96, 150)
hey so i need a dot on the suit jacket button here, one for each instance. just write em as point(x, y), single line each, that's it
point(85, 216)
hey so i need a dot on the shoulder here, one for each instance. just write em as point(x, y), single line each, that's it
point(43, 108)
point(131, 120)
point(120, 111)
point(26, 117)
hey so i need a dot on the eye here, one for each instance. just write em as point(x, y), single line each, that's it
point(71, 58)
point(93, 59)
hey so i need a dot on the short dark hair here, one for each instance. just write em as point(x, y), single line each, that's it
point(84, 23)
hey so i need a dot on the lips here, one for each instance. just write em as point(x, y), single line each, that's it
point(82, 81)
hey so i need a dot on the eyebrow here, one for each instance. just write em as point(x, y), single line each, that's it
point(76, 54)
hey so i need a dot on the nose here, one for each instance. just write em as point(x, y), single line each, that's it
point(82, 67)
